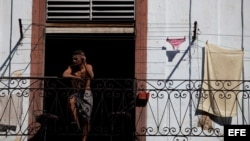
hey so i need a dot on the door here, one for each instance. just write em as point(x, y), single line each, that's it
point(112, 58)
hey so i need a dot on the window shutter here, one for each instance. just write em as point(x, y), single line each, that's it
point(90, 10)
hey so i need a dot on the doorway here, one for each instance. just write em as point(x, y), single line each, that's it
point(112, 57)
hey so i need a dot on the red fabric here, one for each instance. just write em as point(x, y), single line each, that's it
point(143, 95)
point(176, 42)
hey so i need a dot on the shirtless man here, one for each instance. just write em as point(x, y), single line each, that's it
point(81, 101)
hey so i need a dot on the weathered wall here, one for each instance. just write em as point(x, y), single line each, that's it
point(223, 23)
point(14, 51)
point(18, 53)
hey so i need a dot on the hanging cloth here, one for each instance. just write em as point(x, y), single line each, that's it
point(176, 42)
point(10, 111)
point(220, 98)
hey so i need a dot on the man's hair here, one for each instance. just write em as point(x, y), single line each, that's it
point(78, 52)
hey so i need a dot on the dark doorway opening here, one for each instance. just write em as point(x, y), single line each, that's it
point(112, 57)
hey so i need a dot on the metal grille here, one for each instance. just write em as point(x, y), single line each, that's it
point(90, 10)
point(171, 108)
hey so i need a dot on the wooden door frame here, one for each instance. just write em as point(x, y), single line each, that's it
point(38, 50)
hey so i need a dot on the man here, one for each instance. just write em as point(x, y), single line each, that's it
point(81, 101)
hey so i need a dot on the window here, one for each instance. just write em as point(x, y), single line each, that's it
point(90, 10)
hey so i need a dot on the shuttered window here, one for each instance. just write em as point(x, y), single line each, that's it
point(90, 10)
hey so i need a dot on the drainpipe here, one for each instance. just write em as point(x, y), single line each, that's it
point(242, 48)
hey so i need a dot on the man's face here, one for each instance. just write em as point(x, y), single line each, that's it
point(77, 60)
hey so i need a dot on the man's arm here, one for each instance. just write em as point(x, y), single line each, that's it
point(67, 73)
point(89, 70)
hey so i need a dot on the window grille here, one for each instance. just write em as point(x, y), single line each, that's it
point(90, 10)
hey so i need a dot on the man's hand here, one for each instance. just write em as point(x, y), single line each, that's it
point(84, 60)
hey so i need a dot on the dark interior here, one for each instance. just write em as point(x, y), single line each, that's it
point(112, 57)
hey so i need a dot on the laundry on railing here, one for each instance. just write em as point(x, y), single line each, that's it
point(220, 64)
point(10, 111)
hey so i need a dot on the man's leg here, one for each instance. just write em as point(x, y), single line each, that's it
point(72, 104)
point(86, 129)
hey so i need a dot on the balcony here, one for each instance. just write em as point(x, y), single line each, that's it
point(36, 108)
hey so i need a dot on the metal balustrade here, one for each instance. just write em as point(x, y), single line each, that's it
point(37, 108)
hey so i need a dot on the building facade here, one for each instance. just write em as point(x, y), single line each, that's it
point(134, 39)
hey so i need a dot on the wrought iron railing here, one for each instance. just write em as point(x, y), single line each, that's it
point(38, 108)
